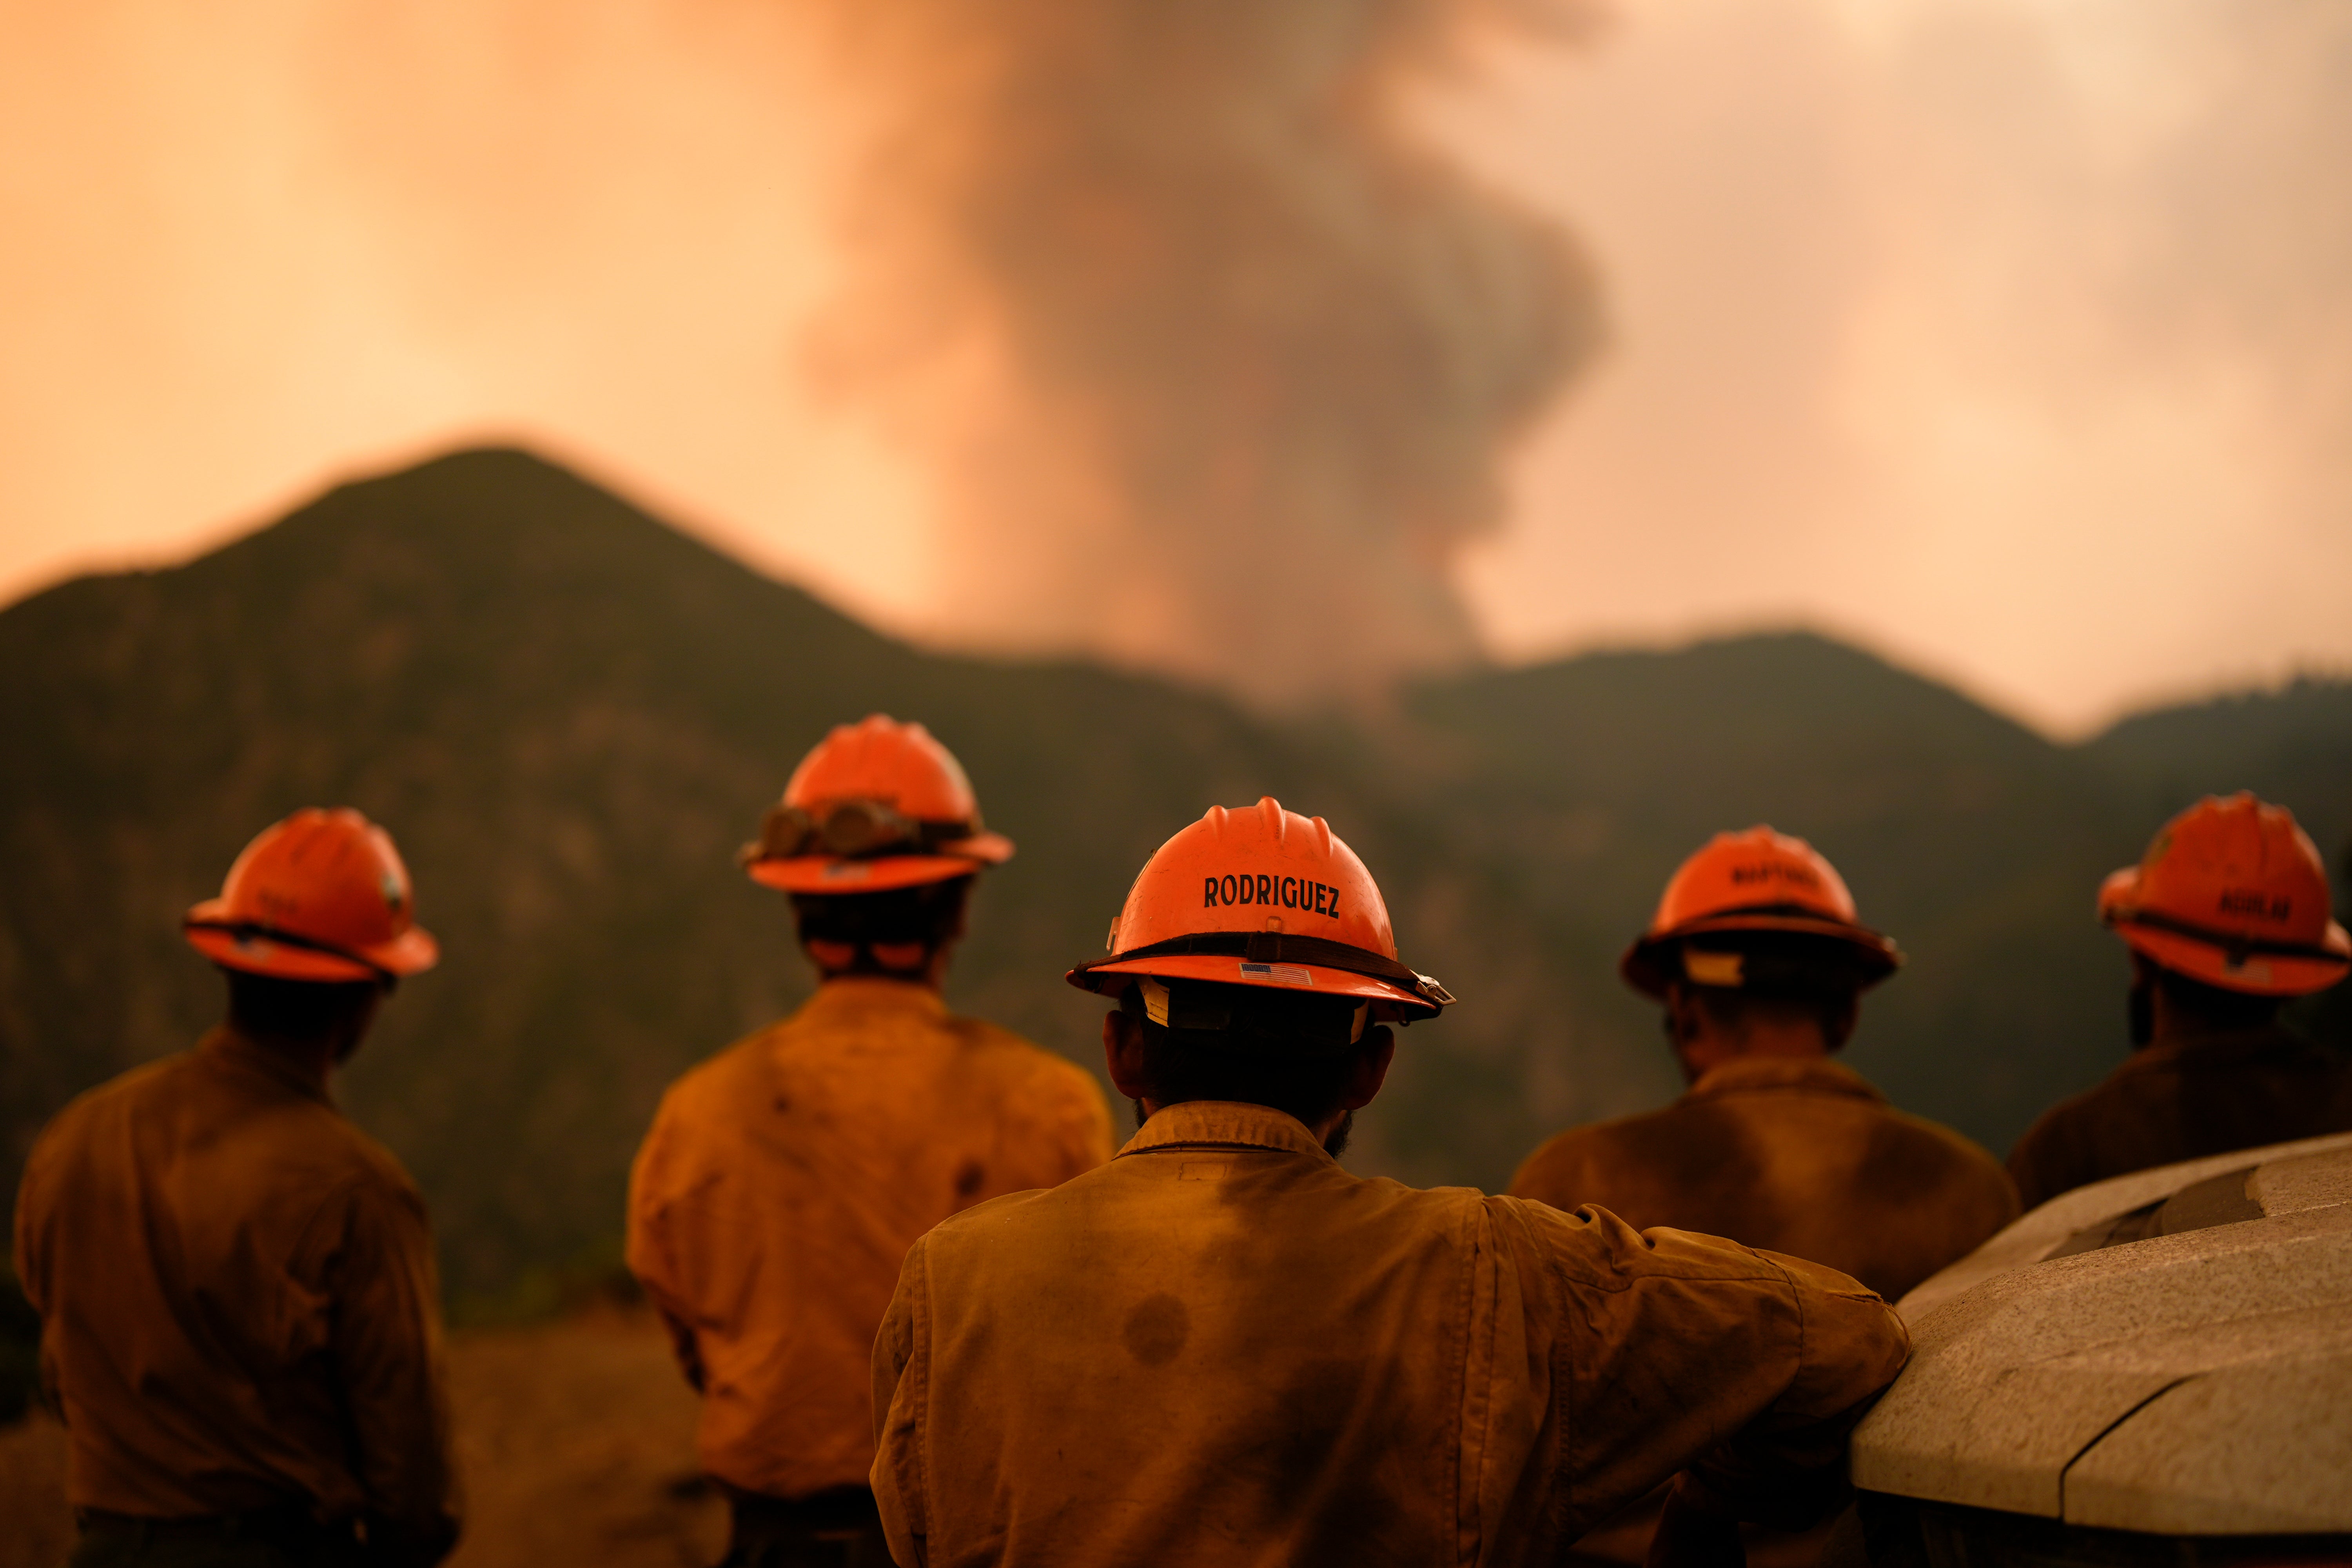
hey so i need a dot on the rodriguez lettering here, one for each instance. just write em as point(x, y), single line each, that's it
point(1282, 892)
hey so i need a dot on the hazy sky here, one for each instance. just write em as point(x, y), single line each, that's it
point(2012, 337)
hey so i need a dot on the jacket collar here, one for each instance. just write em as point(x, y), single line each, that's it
point(2230, 1047)
point(225, 1048)
point(1765, 1075)
point(1224, 1123)
point(872, 993)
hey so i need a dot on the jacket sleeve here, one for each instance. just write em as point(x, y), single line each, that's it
point(1678, 1350)
point(1786, 1467)
point(21, 1255)
point(899, 1417)
point(386, 1347)
point(32, 1280)
point(648, 1252)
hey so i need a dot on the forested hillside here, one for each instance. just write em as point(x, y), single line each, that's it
point(571, 715)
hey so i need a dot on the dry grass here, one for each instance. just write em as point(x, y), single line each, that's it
point(576, 1440)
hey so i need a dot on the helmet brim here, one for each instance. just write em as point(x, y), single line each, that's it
point(1653, 961)
point(879, 873)
point(1390, 1004)
point(988, 849)
point(2254, 973)
point(413, 951)
point(213, 930)
point(2117, 893)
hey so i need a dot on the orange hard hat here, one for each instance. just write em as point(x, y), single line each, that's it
point(1755, 881)
point(1261, 895)
point(877, 806)
point(2231, 892)
point(319, 896)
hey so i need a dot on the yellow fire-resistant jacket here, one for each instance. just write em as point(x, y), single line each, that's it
point(1223, 1348)
point(2206, 1094)
point(239, 1310)
point(782, 1183)
point(1801, 1156)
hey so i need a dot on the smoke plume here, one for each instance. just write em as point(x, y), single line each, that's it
point(1213, 361)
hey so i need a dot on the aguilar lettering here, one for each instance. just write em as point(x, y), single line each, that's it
point(2254, 901)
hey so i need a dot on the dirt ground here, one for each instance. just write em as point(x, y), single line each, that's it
point(576, 1441)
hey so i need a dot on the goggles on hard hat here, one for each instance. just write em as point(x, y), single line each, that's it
point(852, 830)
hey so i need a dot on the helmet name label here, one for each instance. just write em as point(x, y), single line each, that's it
point(1774, 871)
point(2232, 893)
point(1254, 867)
point(1282, 893)
point(2257, 903)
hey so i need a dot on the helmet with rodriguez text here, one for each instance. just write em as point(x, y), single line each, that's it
point(1261, 896)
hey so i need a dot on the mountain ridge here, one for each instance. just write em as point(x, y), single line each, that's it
point(570, 713)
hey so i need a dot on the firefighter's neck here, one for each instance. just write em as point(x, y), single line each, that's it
point(1702, 1040)
point(2161, 1017)
point(315, 1055)
point(314, 1028)
point(1124, 1056)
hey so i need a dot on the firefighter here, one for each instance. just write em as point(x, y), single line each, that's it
point(238, 1307)
point(1223, 1348)
point(2226, 917)
point(1760, 961)
point(785, 1178)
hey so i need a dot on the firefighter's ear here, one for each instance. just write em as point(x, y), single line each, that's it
point(1123, 1053)
point(831, 958)
point(1369, 1070)
point(1837, 1025)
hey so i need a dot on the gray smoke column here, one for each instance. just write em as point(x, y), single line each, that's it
point(1216, 361)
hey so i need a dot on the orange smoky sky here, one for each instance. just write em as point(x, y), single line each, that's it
point(2012, 337)
point(259, 246)
point(2005, 336)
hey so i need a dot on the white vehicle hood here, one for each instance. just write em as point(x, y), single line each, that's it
point(2166, 1351)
